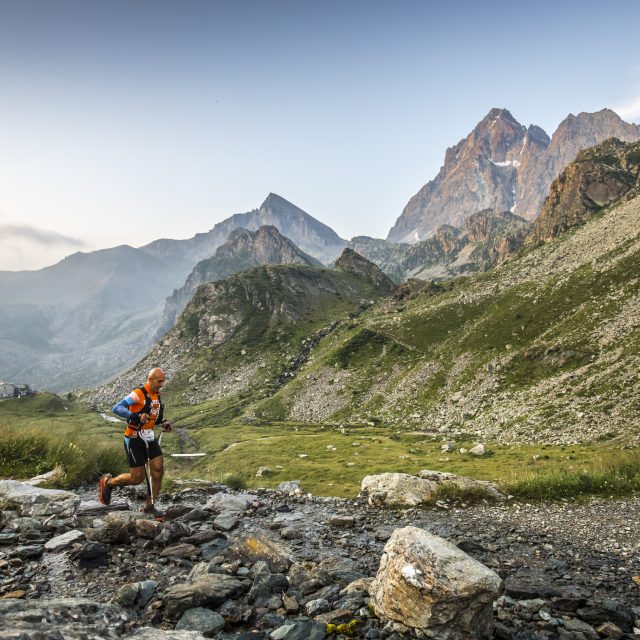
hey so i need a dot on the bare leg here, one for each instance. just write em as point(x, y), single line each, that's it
point(135, 476)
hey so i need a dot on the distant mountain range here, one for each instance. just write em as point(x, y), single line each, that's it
point(504, 166)
point(313, 237)
point(81, 321)
point(542, 348)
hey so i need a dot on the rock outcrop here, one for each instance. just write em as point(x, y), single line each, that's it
point(352, 262)
point(428, 585)
point(599, 176)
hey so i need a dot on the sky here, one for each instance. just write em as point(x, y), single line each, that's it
point(130, 120)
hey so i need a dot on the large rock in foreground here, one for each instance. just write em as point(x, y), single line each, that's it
point(431, 586)
point(34, 501)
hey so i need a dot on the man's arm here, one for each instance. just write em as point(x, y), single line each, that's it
point(122, 409)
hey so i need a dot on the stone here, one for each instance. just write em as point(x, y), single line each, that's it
point(291, 533)
point(341, 521)
point(127, 594)
point(226, 522)
point(64, 540)
point(315, 607)
point(608, 611)
point(50, 476)
point(397, 489)
point(265, 585)
point(36, 502)
point(300, 630)
point(91, 555)
point(291, 487)
point(251, 548)
point(208, 591)
point(482, 487)
point(232, 503)
point(182, 550)
point(145, 591)
point(428, 584)
point(478, 450)
point(205, 621)
point(264, 472)
point(579, 626)
point(147, 529)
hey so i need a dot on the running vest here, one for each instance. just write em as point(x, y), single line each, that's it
point(152, 405)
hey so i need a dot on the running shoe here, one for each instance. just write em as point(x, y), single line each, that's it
point(104, 490)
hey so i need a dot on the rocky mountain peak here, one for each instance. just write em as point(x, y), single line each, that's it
point(352, 262)
point(503, 166)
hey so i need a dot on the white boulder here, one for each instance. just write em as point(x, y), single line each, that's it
point(36, 502)
point(429, 585)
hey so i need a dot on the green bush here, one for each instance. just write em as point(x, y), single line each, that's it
point(234, 481)
point(30, 452)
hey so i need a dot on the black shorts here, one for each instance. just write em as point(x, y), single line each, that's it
point(137, 452)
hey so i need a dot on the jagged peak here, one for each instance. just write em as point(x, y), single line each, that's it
point(273, 199)
point(498, 114)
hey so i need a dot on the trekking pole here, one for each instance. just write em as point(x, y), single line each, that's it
point(147, 472)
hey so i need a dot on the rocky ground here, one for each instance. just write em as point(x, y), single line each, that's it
point(278, 565)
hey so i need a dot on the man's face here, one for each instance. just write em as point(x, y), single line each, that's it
point(156, 382)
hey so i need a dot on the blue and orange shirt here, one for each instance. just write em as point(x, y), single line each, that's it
point(134, 403)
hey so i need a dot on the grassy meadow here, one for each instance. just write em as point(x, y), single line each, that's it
point(45, 432)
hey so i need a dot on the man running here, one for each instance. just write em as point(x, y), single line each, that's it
point(142, 409)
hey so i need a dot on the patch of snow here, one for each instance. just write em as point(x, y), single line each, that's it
point(506, 163)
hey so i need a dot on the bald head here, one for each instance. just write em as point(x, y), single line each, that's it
point(156, 379)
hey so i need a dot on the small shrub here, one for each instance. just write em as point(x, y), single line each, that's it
point(234, 481)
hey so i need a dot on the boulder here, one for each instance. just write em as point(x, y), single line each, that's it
point(431, 586)
point(205, 621)
point(482, 487)
point(36, 502)
point(402, 489)
point(252, 548)
point(210, 590)
point(397, 489)
point(230, 503)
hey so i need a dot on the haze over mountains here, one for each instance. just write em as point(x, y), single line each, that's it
point(79, 322)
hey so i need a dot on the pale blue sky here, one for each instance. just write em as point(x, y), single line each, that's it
point(125, 121)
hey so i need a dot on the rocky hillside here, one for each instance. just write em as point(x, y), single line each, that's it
point(269, 565)
point(603, 174)
point(505, 166)
point(312, 236)
point(242, 336)
point(242, 250)
point(485, 239)
point(544, 348)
